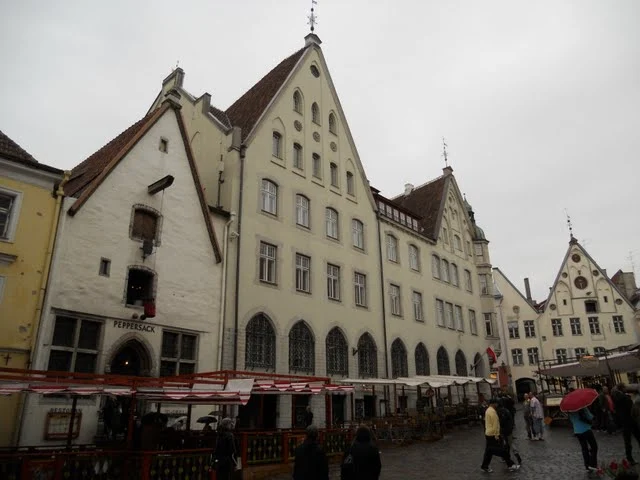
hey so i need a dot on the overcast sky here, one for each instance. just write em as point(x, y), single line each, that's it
point(539, 101)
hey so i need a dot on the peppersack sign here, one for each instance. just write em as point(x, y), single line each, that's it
point(137, 326)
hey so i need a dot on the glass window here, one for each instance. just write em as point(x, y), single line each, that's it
point(351, 187)
point(268, 262)
point(618, 324)
point(459, 319)
point(392, 248)
point(529, 329)
point(337, 353)
point(485, 286)
point(74, 346)
point(576, 328)
point(556, 326)
point(516, 354)
point(331, 223)
point(297, 102)
point(178, 355)
point(360, 289)
point(594, 326)
point(414, 258)
point(302, 211)
point(488, 324)
point(561, 355)
point(532, 353)
point(260, 343)
point(449, 315)
point(442, 359)
point(422, 360)
point(333, 169)
point(445, 270)
point(473, 323)
point(332, 124)
point(440, 313)
point(301, 349)
point(333, 282)
point(399, 366)
point(467, 281)
point(315, 113)
point(357, 229)
point(316, 166)
point(7, 206)
point(367, 357)
point(435, 266)
point(269, 197)
point(298, 158)
point(455, 281)
point(417, 307)
point(394, 298)
point(303, 273)
point(277, 145)
point(514, 330)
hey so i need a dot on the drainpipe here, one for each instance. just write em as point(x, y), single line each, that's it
point(243, 151)
point(223, 288)
point(35, 322)
point(384, 309)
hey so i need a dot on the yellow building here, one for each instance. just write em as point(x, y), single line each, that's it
point(30, 197)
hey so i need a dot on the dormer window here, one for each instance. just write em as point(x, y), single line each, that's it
point(315, 113)
point(297, 102)
point(332, 124)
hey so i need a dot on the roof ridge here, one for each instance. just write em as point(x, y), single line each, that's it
point(420, 186)
point(10, 148)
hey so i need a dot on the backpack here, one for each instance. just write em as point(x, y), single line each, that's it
point(348, 468)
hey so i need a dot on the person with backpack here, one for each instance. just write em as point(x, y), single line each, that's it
point(362, 460)
point(582, 421)
point(311, 463)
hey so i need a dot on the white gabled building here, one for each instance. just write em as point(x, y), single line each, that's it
point(135, 229)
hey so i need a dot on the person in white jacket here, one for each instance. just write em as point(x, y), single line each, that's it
point(537, 414)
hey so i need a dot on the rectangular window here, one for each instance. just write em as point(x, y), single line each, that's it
point(360, 289)
point(302, 211)
point(576, 328)
point(74, 346)
point(331, 220)
point(599, 351)
point(457, 243)
point(303, 273)
point(333, 282)
point(533, 355)
point(594, 326)
point(556, 326)
point(459, 319)
point(479, 251)
point(561, 355)
point(516, 354)
point(298, 158)
point(618, 324)
point(269, 197)
point(488, 324)
point(445, 271)
point(333, 170)
point(449, 315)
point(268, 262)
point(357, 230)
point(529, 329)
point(485, 287)
point(417, 307)
point(394, 298)
point(164, 145)
point(435, 267)
point(7, 210)
point(351, 187)
point(473, 322)
point(514, 330)
point(145, 225)
point(392, 248)
point(580, 352)
point(105, 267)
point(140, 285)
point(178, 354)
point(591, 306)
point(467, 281)
point(316, 165)
point(440, 313)
point(455, 281)
point(414, 258)
point(445, 236)
point(276, 149)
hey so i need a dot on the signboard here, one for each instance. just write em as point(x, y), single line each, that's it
point(57, 424)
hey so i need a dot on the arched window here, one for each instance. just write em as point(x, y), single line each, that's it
point(333, 170)
point(414, 258)
point(277, 145)
point(357, 230)
point(478, 366)
point(392, 248)
point(337, 353)
point(297, 102)
point(443, 362)
point(331, 217)
point(367, 357)
point(445, 271)
point(301, 348)
point(435, 266)
point(351, 187)
point(422, 360)
point(332, 124)
point(315, 113)
point(269, 197)
point(399, 366)
point(260, 343)
point(461, 364)
point(455, 280)
point(302, 210)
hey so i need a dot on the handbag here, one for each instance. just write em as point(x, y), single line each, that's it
point(237, 463)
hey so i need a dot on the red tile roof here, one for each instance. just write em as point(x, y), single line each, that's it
point(426, 201)
point(246, 111)
point(10, 150)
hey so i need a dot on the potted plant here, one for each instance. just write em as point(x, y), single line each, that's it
point(618, 470)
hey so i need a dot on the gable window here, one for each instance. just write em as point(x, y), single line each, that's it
point(392, 248)
point(488, 324)
point(297, 102)
point(333, 170)
point(332, 223)
point(529, 329)
point(303, 273)
point(440, 313)
point(445, 270)
point(576, 328)
point(105, 267)
point(516, 354)
point(457, 243)
point(445, 235)
point(268, 254)
point(394, 298)
point(75, 345)
point(561, 355)
point(178, 355)
point(351, 187)
point(333, 282)
point(164, 145)
point(459, 319)
point(514, 330)
point(414, 258)
point(479, 251)
point(298, 159)
point(618, 324)
point(315, 113)
point(454, 275)
point(332, 124)
point(435, 266)
point(417, 307)
point(533, 355)
point(473, 323)
point(260, 343)
point(337, 353)
point(357, 229)
point(594, 326)
point(276, 149)
point(145, 223)
point(591, 306)
point(316, 166)
point(467, 281)
point(360, 289)
point(140, 286)
point(556, 326)
point(269, 197)
point(9, 206)
point(449, 315)
point(302, 211)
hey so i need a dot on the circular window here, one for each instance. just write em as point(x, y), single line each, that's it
point(595, 273)
point(314, 71)
point(552, 306)
point(619, 301)
point(564, 275)
point(576, 258)
point(580, 282)
point(516, 309)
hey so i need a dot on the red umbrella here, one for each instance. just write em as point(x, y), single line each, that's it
point(578, 399)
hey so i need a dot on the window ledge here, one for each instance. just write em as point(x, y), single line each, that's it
point(298, 172)
point(268, 284)
point(7, 259)
point(317, 181)
point(334, 189)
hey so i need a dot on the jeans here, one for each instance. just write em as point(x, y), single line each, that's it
point(589, 448)
point(537, 427)
point(529, 424)
point(630, 428)
point(495, 447)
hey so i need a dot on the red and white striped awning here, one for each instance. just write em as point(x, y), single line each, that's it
point(50, 389)
point(266, 386)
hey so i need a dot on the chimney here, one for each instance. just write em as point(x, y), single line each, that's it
point(408, 188)
point(447, 171)
point(206, 103)
point(527, 289)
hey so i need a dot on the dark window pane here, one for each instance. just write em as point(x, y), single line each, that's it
point(170, 344)
point(64, 332)
point(186, 368)
point(85, 362)
point(139, 286)
point(167, 368)
point(59, 361)
point(144, 225)
point(188, 351)
point(89, 335)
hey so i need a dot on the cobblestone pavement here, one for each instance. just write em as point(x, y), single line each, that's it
point(459, 454)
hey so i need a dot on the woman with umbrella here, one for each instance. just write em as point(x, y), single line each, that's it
point(576, 404)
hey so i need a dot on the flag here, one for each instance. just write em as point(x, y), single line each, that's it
point(492, 355)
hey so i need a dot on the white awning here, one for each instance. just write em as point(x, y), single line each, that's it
point(433, 381)
point(621, 362)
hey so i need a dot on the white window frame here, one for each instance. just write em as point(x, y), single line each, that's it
point(392, 248)
point(473, 322)
point(269, 197)
point(298, 156)
point(594, 326)
point(441, 321)
point(516, 356)
point(459, 318)
point(13, 214)
point(485, 286)
point(448, 314)
point(455, 275)
point(580, 352)
point(561, 355)
point(467, 280)
point(414, 258)
point(268, 263)
point(529, 329)
point(599, 350)
point(436, 267)
point(533, 355)
point(618, 324)
point(302, 210)
point(276, 146)
point(418, 311)
point(331, 223)
point(394, 299)
point(333, 282)
point(351, 184)
point(360, 289)
point(576, 326)
point(357, 231)
point(333, 174)
point(488, 324)
point(556, 327)
point(316, 166)
point(303, 273)
point(446, 274)
point(514, 329)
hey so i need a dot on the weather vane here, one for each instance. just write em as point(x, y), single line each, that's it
point(444, 153)
point(569, 224)
point(313, 19)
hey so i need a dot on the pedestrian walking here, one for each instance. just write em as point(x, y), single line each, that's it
point(623, 406)
point(608, 409)
point(537, 415)
point(582, 421)
point(526, 411)
point(225, 457)
point(362, 460)
point(311, 463)
point(494, 443)
point(506, 427)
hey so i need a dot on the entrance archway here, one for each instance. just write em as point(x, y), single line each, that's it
point(525, 385)
point(131, 359)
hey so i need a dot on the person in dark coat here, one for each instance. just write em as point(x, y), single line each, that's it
point(225, 452)
point(311, 463)
point(364, 457)
point(308, 417)
point(623, 406)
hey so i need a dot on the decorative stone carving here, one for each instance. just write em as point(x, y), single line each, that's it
point(334, 146)
point(297, 125)
point(316, 136)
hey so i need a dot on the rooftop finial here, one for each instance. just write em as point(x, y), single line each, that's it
point(313, 19)
point(444, 152)
point(569, 224)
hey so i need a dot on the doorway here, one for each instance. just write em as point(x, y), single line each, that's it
point(131, 359)
point(369, 406)
point(337, 410)
point(259, 413)
point(299, 404)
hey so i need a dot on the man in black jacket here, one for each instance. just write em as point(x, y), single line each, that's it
point(311, 463)
point(623, 406)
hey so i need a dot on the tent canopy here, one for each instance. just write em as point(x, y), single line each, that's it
point(621, 362)
point(433, 381)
